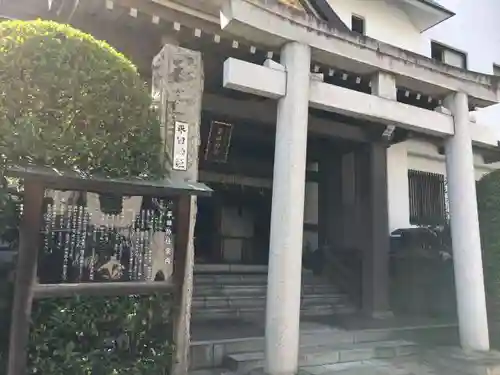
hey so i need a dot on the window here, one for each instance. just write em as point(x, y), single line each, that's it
point(496, 70)
point(427, 198)
point(358, 24)
point(437, 52)
point(448, 55)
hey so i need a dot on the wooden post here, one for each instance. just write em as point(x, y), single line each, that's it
point(183, 283)
point(330, 205)
point(372, 190)
point(29, 238)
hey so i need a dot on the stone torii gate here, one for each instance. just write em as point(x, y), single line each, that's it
point(295, 88)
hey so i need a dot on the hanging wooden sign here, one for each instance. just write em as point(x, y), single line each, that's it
point(219, 141)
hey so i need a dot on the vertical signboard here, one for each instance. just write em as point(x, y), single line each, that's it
point(180, 146)
point(219, 141)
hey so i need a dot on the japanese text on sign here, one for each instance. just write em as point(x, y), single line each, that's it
point(219, 141)
point(180, 156)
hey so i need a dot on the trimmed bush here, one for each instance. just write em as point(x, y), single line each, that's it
point(488, 197)
point(70, 101)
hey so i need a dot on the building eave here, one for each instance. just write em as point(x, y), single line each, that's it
point(424, 14)
point(437, 6)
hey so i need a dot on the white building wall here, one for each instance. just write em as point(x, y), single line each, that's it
point(474, 30)
point(420, 156)
point(397, 186)
point(382, 21)
point(424, 156)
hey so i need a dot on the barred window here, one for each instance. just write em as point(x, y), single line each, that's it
point(427, 198)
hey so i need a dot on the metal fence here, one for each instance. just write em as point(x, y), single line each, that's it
point(428, 198)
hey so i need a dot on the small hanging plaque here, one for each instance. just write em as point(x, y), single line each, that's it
point(219, 141)
point(180, 146)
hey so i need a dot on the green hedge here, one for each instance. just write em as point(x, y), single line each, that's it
point(101, 336)
point(95, 335)
point(488, 197)
point(6, 280)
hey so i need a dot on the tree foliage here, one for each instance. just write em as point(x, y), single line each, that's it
point(488, 197)
point(70, 101)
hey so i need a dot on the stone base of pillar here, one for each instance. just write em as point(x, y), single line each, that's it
point(261, 371)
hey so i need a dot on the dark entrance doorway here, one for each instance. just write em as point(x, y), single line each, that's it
point(205, 230)
point(233, 226)
point(237, 163)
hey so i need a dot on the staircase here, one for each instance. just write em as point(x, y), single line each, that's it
point(332, 353)
point(234, 302)
point(243, 295)
point(335, 348)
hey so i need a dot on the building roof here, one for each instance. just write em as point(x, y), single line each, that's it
point(292, 3)
point(424, 14)
point(434, 3)
point(72, 180)
point(323, 10)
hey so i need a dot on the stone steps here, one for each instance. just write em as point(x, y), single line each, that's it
point(221, 301)
point(244, 279)
point(407, 365)
point(258, 313)
point(243, 295)
point(243, 363)
point(212, 354)
point(255, 290)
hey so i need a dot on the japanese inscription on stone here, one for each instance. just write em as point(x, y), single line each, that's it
point(180, 156)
